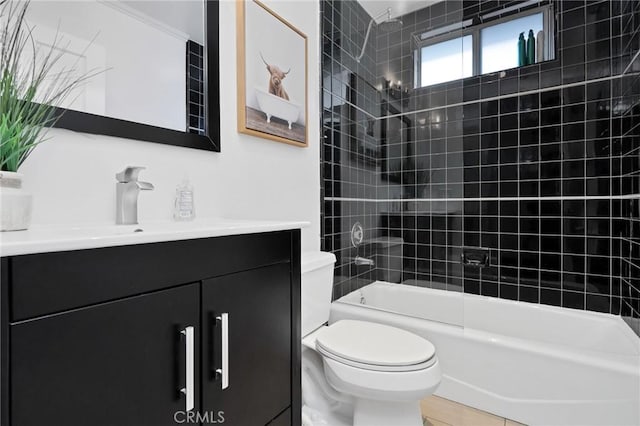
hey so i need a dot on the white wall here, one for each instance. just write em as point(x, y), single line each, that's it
point(72, 175)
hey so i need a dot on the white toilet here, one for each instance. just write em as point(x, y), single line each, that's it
point(356, 372)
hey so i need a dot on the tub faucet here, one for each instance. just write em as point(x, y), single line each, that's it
point(361, 261)
point(127, 190)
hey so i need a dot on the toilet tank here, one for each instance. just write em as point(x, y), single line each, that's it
point(317, 286)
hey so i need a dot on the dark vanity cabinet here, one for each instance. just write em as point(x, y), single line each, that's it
point(259, 342)
point(116, 363)
point(199, 331)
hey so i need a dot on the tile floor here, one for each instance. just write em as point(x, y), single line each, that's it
point(438, 411)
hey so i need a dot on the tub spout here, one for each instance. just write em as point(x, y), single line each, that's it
point(361, 261)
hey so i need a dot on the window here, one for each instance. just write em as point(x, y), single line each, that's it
point(447, 60)
point(498, 43)
point(464, 50)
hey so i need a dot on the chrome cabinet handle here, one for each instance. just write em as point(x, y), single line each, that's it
point(223, 371)
point(189, 388)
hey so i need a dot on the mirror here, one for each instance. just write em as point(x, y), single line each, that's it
point(155, 57)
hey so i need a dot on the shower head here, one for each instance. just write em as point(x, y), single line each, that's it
point(389, 24)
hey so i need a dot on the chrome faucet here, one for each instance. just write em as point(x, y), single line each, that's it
point(127, 190)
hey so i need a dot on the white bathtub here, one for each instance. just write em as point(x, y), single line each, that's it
point(536, 364)
point(275, 106)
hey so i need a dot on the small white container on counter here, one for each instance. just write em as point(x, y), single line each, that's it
point(184, 207)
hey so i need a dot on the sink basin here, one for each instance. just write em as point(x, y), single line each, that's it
point(104, 231)
point(98, 232)
point(40, 239)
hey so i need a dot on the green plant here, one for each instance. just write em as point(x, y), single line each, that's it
point(29, 90)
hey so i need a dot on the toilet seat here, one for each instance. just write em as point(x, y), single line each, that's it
point(373, 346)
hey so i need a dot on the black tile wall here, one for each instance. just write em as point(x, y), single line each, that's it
point(195, 88)
point(539, 164)
point(626, 95)
point(351, 139)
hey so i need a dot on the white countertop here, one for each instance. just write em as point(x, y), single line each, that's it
point(44, 239)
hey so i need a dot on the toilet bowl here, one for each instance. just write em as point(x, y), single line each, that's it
point(372, 374)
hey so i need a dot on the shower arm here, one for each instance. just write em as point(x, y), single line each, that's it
point(366, 37)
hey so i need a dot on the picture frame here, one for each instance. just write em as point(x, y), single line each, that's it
point(272, 76)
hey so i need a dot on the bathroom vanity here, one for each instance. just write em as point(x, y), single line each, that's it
point(150, 326)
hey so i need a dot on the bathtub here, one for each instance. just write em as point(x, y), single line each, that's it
point(275, 106)
point(536, 364)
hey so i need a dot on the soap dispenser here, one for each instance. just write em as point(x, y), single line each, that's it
point(184, 208)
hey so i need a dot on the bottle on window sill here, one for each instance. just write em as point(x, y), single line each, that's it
point(522, 51)
point(540, 56)
point(531, 48)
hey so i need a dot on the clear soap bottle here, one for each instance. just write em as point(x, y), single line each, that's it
point(184, 208)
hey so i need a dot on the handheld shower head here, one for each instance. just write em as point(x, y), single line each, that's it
point(389, 24)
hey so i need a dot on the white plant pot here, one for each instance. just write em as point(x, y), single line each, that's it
point(15, 203)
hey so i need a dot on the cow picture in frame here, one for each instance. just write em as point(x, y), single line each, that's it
point(272, 75)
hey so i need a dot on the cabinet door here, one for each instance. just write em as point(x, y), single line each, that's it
point(258, 308)
point(119, 363)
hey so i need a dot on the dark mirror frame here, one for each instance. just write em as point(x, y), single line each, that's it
point(100, 125)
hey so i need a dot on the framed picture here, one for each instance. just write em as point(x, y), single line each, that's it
point(272, 75)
